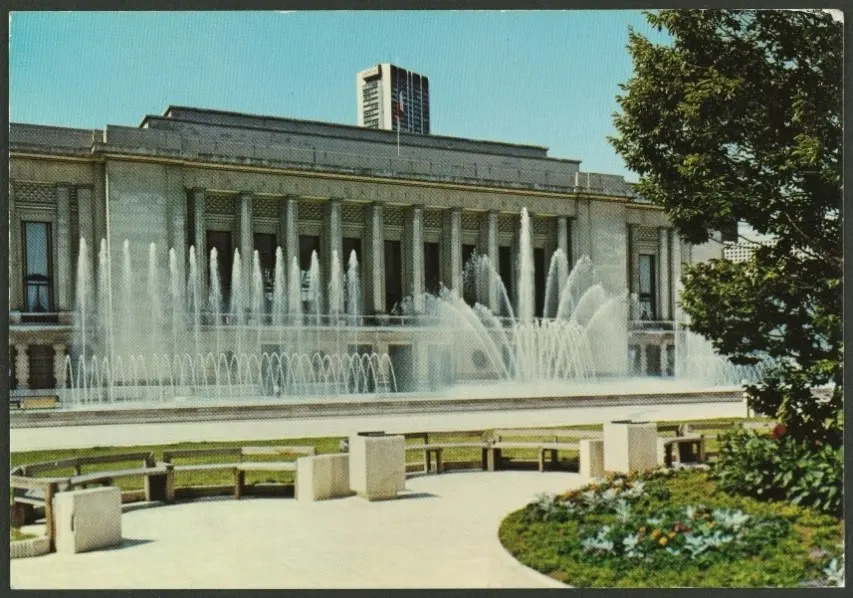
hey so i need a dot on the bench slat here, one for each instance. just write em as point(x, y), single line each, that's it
point(89, 478)
point(279, 450)
point(447, 445)
point(267, 466)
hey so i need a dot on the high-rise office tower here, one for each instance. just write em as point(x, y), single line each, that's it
point(389, 97)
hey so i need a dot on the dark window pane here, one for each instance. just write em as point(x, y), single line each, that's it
point(432, 263)
point(37, 266)
point(393, 274)
point(505, 272)
point(265, 244)
point(37, 248)
point(647, 284)
point(540, 274)
point(221, 240)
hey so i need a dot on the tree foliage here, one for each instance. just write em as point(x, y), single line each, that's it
point(738, 117)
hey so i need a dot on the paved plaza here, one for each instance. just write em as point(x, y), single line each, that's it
point(442, 533)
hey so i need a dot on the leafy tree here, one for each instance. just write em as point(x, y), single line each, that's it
point(738, 118)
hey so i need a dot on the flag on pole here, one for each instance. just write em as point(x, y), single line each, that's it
point(398, 113)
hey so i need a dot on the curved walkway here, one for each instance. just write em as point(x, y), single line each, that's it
point(441, 533)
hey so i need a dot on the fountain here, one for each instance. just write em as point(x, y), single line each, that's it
point(187, 339)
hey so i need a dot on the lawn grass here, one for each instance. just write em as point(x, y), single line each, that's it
point(16, 534)
point(452, 457)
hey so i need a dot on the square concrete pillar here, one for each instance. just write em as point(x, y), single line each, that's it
point(87, 519)
point(630, 446)
point(377, 466)
point(591, 458)
point(320, 477)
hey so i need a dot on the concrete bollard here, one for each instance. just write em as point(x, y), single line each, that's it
point(87, 519)
point(630, 446)
point(377, 466)
point(592, 458)
point(321, 477)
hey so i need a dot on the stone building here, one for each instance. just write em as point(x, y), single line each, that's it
point(207, 178)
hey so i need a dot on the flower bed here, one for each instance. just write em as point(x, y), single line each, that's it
point(673, 529)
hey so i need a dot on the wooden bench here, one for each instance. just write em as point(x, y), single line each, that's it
point(45, 402)
point(544, 448)
point(30, 493)
point(33, 492)
point(436, 448)
point(235, 462)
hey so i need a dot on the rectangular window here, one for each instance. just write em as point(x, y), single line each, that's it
point(221, 240)
point(265, 244)
point(432, 264)
point(469, 288)
point(648, 284)
point(308, 244)
point(540, 274)
point(505, 272)
point(38, 283)
point(393, 275)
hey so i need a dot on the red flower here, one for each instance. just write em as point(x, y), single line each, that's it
point(779, 430)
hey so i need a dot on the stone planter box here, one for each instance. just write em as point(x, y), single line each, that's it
point(591, 458)
point(87, 519)
point(630, 446)
point(377, 466)
point(322, 477)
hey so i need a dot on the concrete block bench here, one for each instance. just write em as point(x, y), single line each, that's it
point(377, 466)
point(87, 519)
point(322, 477)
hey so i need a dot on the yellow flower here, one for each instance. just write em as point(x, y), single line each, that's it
point(663, 541)
point(655, 534)
point(671, 535)
point(643, 530)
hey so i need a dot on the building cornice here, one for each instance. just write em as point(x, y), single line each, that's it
point(103, 156)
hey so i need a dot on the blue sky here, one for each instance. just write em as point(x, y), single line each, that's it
point(545, 78)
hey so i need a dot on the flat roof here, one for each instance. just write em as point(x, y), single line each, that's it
point(408, 139)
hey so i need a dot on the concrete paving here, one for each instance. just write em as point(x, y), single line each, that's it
point(31, 439)
point(442, 534)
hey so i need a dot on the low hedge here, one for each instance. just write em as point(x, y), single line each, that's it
point(668, 529)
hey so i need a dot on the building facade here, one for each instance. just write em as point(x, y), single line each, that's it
point(204, 179)
point(389, 97)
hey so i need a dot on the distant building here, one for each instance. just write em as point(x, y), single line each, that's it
point(742, 248)
point(389, 96)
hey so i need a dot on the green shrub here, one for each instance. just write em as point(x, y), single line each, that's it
point(755, 464)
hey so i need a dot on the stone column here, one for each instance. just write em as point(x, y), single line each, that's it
point(16, 263)
point(374, 259)
point(59, 365)
point(489, 247)
point(86, 223)
point(644, 359)
point(199, 237)
point(99, 203)
point(289, 231)
point(664, 294)
point(581, 237)
point(414, 256)
point(563, 237)
point(333, 242)
point(64, 268)
point(22, 367)
point(451, 249)
point(677, 260)
point(176, 206)
point(631, 238)
point(246, 242)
